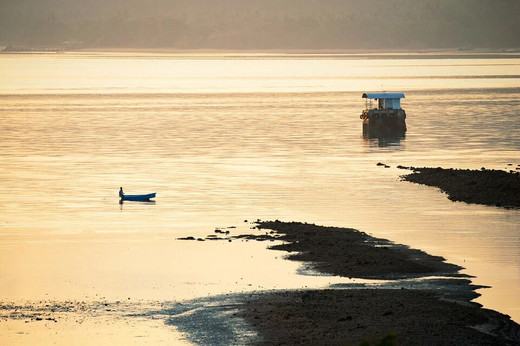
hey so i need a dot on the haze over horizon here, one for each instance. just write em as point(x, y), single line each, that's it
point(267, 24)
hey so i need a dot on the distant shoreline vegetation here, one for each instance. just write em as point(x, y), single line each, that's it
point(482, 53)
point(268, 24)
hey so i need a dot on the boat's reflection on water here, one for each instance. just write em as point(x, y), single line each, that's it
point(121, 202)
point(383, 138)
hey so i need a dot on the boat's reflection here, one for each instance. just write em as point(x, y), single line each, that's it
point(121, 202)
point(384, 140)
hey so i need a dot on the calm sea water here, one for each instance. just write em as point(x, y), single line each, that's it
point(227, 138)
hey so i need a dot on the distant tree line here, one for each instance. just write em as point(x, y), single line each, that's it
point(262, 24)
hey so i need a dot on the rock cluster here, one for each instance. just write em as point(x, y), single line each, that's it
point(485, 186)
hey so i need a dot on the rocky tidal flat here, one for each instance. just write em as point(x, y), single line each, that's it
point(422, 300)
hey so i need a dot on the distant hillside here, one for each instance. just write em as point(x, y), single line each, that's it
point(262, 24)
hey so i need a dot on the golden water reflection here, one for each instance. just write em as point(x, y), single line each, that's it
point(225, 140)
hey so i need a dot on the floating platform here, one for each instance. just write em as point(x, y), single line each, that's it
point(387, 119)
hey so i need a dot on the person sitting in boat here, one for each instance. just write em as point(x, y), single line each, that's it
point(121, 193)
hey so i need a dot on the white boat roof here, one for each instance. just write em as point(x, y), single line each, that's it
point(383, 95)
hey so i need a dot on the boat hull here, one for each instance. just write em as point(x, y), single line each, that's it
point(138, 198)
point(384, 122)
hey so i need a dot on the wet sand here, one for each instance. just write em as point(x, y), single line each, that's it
point(489, 187)
point(431, 315)
point(349, 317)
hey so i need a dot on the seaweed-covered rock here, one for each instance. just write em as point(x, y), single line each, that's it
point(485, 186)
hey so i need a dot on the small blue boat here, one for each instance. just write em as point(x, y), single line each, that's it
point(138, 198)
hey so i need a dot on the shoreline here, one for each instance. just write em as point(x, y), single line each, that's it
point(425, 302)
point(419, 299)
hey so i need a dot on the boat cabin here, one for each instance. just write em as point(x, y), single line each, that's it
point(386, 116)
point(385, 100)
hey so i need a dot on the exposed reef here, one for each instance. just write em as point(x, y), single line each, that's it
point(486, 186)
point(422, 300)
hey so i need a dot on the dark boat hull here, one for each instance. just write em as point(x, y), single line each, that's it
point(138, 198)
point(378, 123)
